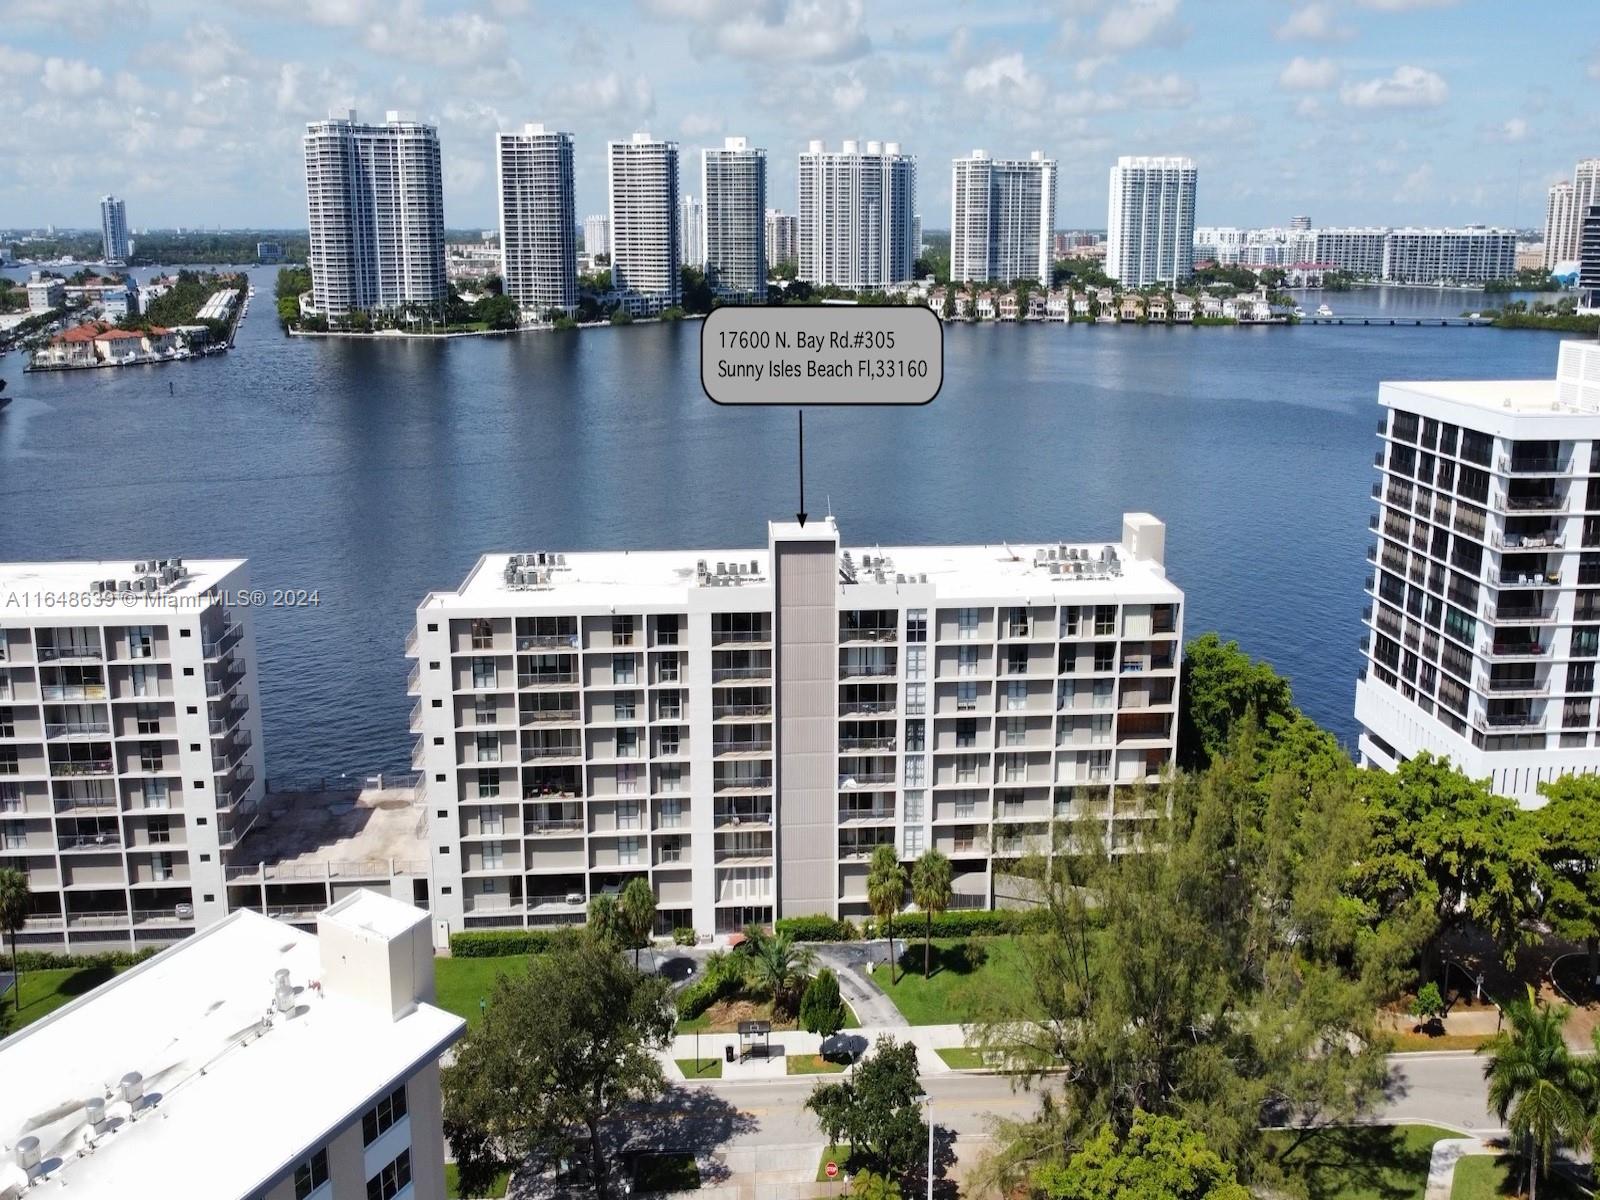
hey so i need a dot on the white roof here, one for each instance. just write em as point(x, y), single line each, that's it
point(61, 591)
point(233, 1101)
point(376, 914)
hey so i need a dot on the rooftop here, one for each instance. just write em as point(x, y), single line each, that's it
point(219, 1064)
point(1573, 394)
point(65, 593)
point(315, 835)
point(643, 578)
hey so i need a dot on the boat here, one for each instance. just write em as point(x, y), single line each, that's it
point(1324, 311)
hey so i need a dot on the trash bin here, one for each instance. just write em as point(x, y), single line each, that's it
point(727, 1053)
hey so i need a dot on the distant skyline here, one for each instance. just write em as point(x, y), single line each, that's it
point(1362, 112)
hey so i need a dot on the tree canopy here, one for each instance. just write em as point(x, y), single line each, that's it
point(1160, 1158)
point(877, 1109)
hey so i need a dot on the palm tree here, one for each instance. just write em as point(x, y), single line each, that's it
point(778, 964)
point(605, 918)
point(1535, 1085)
point(930, 889)
point(13, 912)
point(636, 912)
point(886, 888)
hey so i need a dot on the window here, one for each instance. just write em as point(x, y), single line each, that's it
point(160, 830)
point(669, 707)
point(624, 668)
point(154, 793)
point(150, 757)
point(10, 797)
point(967, 660)
point(1586, 638)
point(487, 747)
point(385, 1113)
point(8, 723)
point(628, 851)
point(667, 629)
point(1105, 620)
point(667, 669)
point(484, 710)
point(493, 856)
point(916, 662)
point(492, 819)
point(142, 681)
point(482, 634)
point(916, 771)
point(1069, 621)
point(161, 867)
point(1016, 768)
point(912, 842)
point(483, 673)
point(966, 697)
point(916, 699)
point(389, 1182)
point(967, 769)
point(141, 641)
point(914, 806)
point(1016, 694)
point(669, 740)
point(1016, 660)
point(311, 1174)
point(669, 778)
point(916, 736)
point(627, 814)
point(147, 718)
point(966, 622)
point(627, 743)
point(488, 784)
point(1014, 731)
point(622, 631)
point(13, 835)
point(671, 811)
point(966, 733)
point(916, 625)
point(623, 707)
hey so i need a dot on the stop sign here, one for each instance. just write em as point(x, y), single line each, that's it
point(831, 1169)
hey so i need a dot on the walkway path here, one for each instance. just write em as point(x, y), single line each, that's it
point(872, 1007)
point(1442, 1166)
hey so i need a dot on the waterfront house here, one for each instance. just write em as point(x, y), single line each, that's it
point(1210, 307)
point(1182, 308)
point(99, 343)
point(1007, 306)
point(1081, 308)
point(985, 306)
point(935, 300)
point(1156, 309)
point(1058, 305)
point(1037, 309)
point(1130, 308)
point(45, 292)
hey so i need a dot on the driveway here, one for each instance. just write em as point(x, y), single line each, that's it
point(849, 962)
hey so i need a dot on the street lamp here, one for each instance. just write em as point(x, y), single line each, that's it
point(930, 1148)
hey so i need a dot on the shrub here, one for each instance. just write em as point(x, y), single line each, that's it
point(497, 943)
point(961, 923)
point(684, 935)
point(976, 954)
point(1429, 1006)
point(51, 960)
point(821, 1008)
point(724, 975)
point(817, 928)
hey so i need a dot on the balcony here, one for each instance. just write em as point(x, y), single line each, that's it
point(552, 750)
point(97, 920)
point(750, 746)
point(548, 716)
point(539, 679)
point(70, 654)
point(547, 641)
point(72, 691)
point(1522, 614)
point(413, 682)
point(1509, 722)
point(866, 708)
point(849, 816)
point(70, 729)
point(848, 744)
point(869, 634)
point(1546, 539)
point(1512, 687)
point(225, 641)
point(1527, 504)
point(1532, 464)
point(229, 718)
point(1507, 579)
point(742, 783)
point(867, 670)
point(722, 674)
point(866, 779)
point(740, 637)
point(108, 839)
point(81, 766)
point(736, 818)
point(562, 825)
point(411, 642)
point(720, 712)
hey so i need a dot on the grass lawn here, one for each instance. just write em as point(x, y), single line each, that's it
point(42, 992)
point(707, 1068)
point(1361, 1162)
point(812, 1064)
point(453, 1190)
point(666, 1173)
point(950, 995)
point(832, 1154)
point(459, 983)
point(962, 1058)
point(1487, 1177)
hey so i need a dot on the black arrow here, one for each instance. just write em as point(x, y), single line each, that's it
point(801, 515)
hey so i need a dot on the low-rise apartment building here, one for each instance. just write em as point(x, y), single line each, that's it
point(254, 1062)
point(743, 728)
point(130, 745)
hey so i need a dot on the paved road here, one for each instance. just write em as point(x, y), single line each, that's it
point(849, 962)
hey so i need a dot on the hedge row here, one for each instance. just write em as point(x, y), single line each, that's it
point(50, 960)
point(818, 928)
point(498, 943)
point(960, 923)
point(702, 994)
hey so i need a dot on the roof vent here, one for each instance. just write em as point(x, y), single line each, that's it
point(282, 991)
point(131, 1087)
point(27, 1155)
point(94, 1111)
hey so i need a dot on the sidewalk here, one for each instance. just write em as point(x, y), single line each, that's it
point(928, 1039)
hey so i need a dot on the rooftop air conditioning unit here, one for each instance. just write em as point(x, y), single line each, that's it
point(139, 568)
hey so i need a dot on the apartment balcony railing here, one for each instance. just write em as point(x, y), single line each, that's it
point(1533, 465)
point(1523, 615)
point(559, 750)
point(1586, 612)
point(866, 779)
point(78, 729)
point(743, 783)
point(545, 828)
point(865, 708)
point(871, 634)
point(1520, 579)
point(754, 746)
point(867, 670)
point(81, 766)
point(730, 819)
point(225, 641)
point(719, 711)
point(109, 840)
point(97, 920)
point(546, 679)
point(730, 637)
point(73, 691)
point(230, 717)
point(78, 804)
point(719, 674)
point(1543, 540)
point(867, 743)
point(1512, 687)
point(1513, 649)
point(411, 641)
point(70, 654)
point(865, 814)
point(1508, 722)
point(1527, 504)
point(547, 641)
point(549, 716)
point(413, 682)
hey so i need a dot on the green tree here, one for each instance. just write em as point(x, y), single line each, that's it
point(1536, 1086)
point(1220, 684)
point(822, 1008)
point(1160, 1158)
point(1429, 1007)
point(697, 293)
point(605, 920)
point(570, 1045)
point(13, 912)
point(868, 1185)
point(1569, 826)
point(621, 316)
point(878, 1110)
point(636, 914)
point(886, 889)
point(931, 891)
point(778, 964)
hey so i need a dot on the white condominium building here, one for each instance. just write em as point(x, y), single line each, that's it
point(1271, 247)
point(692, 231)
point(733, 180)
point(857, 218)
point(254, 1062)
point(1357, 252)
point(375, 212)
point(538, 236)
point(1485, 593)
point(1560, 225)
point(114, 230)
point(645, 249)
point(596, 234)
point(782, 237)
point(1002, 218)
point(743, 728)
point(130, 746)
point(1150, 221)
point(1472, 254)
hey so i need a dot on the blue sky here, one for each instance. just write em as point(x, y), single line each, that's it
point(1355, 111)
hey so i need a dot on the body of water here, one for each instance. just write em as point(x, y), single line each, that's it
point(375, 472)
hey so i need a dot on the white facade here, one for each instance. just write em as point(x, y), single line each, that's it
point(538, 236)
point(692, 231)
point(45, 292)
point(375, 214)
point(782, 237)
point(1002, 218)
point(114, 230)
point(130, 746)
point(596, 234)
point(858, 204)
point(645, 249)
point(1560, 225)
point(254, 1062)
point(1484, 608)
point(1271, 247)
point(743, 727)
point(1150, 221)
point(1472, 254)
point(733, 182)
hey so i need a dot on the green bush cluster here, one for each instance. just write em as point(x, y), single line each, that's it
point(965, 922)
point(817, 928)
point(724, 975)
point(684, 935)
point(497, 943)
point(50, 960)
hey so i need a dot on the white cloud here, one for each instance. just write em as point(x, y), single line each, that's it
point(1594, 66)
point(1407, 87)
point(1158, 91)
point(1129, 24)
point(612, 94)
point(1403, 5)
point(1308, 74)
point(1513, 129)
point(1088, 100)
point(699, 124)
point(1004, 78)
point(1418, 185)
point(71, 77)
point(1313, 23)
point(460, 39)
point(816, 31)
point(17, 62)
point(1309, 107)
point(849, 95)
point(1085, 69)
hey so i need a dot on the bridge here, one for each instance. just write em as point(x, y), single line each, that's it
point(1449, 322)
